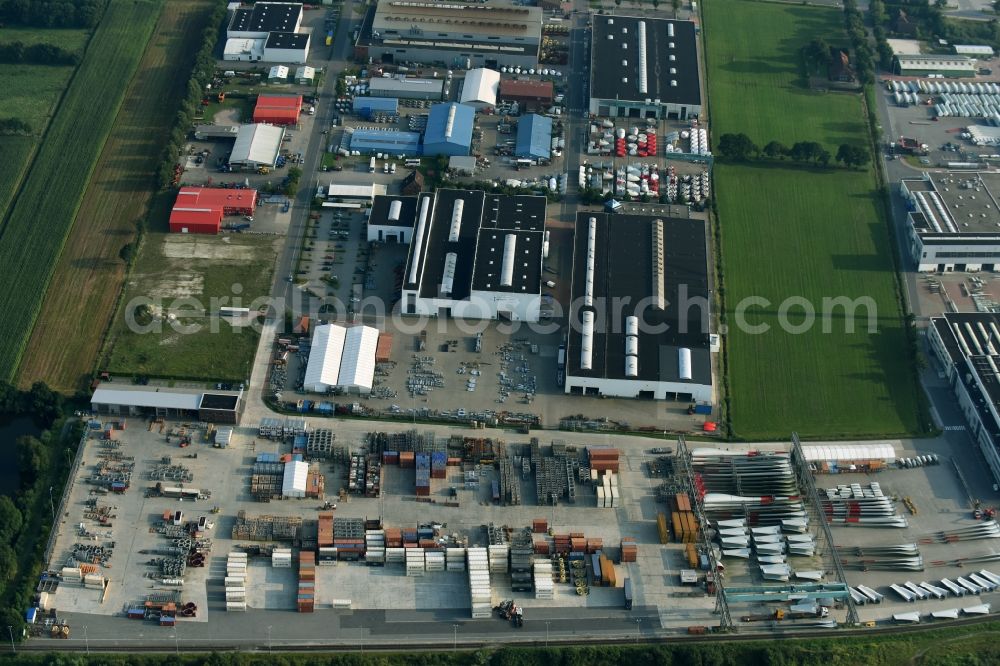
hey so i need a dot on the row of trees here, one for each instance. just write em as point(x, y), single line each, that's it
point(864, 57)
point(741, 148)
point(52, 13)
point(15, 53)
point(201, 76)
point(14, 127)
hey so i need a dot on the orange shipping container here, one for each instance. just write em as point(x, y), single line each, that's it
point(383, 348)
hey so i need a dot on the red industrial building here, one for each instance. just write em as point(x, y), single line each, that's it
point(199, 210)
point(278, 109)
point(530, 95)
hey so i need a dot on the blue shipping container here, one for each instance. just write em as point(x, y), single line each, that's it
point(595, 567)
point(703, 409)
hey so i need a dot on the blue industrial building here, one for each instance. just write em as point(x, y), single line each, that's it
point(367, 106)
point(534, 137)
point(449, 130)
point(381, 141)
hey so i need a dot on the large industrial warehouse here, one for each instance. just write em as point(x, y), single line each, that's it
point(342, 359)
point(476, 256)
point(644, 68)
point(968, 346)
point(267, 31)
point(278, 109)
point(465, 36)
point(639, 324)
point(257, 145)
point(953, 223)
point(199, 210)
point(132, 400)
point(449, 130)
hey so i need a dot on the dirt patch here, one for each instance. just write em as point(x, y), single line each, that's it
point(189, 247)
point(81, 296)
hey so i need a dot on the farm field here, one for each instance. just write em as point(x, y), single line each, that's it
point(798, 232)
point(81, 297)
point(31, 93)
point(36, 227)
point(179, 266)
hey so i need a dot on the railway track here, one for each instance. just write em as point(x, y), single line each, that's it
point(256, 645)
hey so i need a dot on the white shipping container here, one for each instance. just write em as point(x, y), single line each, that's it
point(236, 606)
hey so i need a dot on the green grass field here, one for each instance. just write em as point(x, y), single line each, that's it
point(173, 266)
point(36, 227)
point(68, 39)
point(795, 232)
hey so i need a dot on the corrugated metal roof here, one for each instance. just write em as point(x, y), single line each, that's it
point(449, 129)
point(534, 137)
point(325, 355)
point(355, 191)
point(357, 367)
point(257, 144)
point(387, 104)
point(397, 143)
point(481, 85)
point(147, 398)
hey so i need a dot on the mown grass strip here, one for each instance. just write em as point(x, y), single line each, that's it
point(46, 206)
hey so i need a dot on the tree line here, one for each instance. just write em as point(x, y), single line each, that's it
point(14, 127)
point(52, 13)
point(741, 148)
point(25, 522)
point(201, 76)
point(16, 53)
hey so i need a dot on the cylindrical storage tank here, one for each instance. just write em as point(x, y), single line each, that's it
point(631, 366)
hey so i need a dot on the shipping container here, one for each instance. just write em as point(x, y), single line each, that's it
point(628, 593)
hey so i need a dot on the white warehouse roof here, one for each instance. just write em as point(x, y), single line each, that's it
point(327, 349)
point(336, 191)
point(147, 398)
point(293, 484)
point(357, 366)
point(849, 452)
point(241, 46)
point(481, 86)
point(257, 144)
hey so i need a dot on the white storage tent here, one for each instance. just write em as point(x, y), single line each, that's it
point(293, 484)
point(481, 88)
point(849, 452)
point(323, 369)
point(357, 365)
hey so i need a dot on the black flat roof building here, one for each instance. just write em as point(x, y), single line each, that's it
point(287, 40)
point(265, 17)
point(471, 242)
point(644, 68)
point(652, 268)
point(385, 213)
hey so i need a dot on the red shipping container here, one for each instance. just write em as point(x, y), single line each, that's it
point(542, 548)
point(539, 526)
point(423, 491)
point(407, 459)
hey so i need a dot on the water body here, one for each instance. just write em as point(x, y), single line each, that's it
point(10, 430)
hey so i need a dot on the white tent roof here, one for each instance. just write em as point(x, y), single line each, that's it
point(323, 368)
point(357, 367)
point(874, 451)
point(257, 144)
point(278, 72)
point(305, 72)
point(481, 85)
point(293, 484)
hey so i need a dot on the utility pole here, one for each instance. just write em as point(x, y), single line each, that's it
point(10, 630)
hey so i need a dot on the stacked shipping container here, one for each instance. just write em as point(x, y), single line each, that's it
point(603, 459)
point(307, 582)
point(439, 464)
point(422, 462)
point(629, 549)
